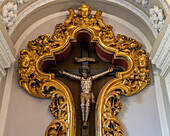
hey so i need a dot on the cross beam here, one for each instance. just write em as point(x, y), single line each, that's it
point(84, 52)
point(93, 71)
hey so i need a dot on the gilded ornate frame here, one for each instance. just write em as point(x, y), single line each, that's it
point(43, 85)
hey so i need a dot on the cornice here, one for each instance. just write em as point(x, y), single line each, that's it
point(165, 65)
point(163, 56)
point(6, 56)
point(162, 45)
point(6, 47)
point(163, 51)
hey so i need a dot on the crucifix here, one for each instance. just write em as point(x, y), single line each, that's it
point(86, 76)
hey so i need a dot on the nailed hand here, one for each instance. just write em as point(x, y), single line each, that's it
point(61, 71)
point(110, 69)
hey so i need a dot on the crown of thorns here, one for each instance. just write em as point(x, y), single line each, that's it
point(87, 70)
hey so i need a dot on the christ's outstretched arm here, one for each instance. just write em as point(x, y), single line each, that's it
point(69, 74)
point(102, 74)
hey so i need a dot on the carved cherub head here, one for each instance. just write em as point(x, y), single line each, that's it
point(143, 62)
point(84, 10)
point(24, 59)
point(85, 72)
point(143, 59)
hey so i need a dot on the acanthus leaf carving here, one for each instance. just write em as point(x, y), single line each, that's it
point(125, 44)
point(57, 128)
point(9, 15)
point(156, 17)
point(59, 109)
point(58, 106)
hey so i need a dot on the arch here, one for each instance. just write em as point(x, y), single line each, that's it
point(31, 16)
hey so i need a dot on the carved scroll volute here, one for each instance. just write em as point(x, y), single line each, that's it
point(62, 108)
point(43, 85)
point(127, 83)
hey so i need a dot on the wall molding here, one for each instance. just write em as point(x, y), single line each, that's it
point(164, 5)
point(161, 56)
point(6, 56)
point(123, 3)
point(165, 65)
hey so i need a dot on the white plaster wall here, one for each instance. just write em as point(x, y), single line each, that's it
point(29, 116)
point(139, 114)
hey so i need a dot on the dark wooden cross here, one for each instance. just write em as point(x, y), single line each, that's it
point(85, 64)
point(85, 54)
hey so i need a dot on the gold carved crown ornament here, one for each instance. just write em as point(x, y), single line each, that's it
point(43, 85)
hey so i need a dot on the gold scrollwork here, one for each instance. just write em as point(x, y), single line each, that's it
point(58, 106)
point(59, 109)
point(43, 85)
point(112, 127)
point(126, 44)
point(126, 84)
point(57, 128)
point(112, 106)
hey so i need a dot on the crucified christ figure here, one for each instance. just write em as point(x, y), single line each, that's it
point(87, 96)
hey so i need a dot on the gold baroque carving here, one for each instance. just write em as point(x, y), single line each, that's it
point(44, 85)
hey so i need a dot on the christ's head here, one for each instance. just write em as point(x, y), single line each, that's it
point(84, 72)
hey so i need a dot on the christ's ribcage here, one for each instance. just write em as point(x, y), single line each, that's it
point(86, 85)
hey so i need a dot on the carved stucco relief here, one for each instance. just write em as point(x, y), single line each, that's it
point(9, 15)
point(156, 18)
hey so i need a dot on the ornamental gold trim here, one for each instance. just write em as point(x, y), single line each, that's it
point(43, 85)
